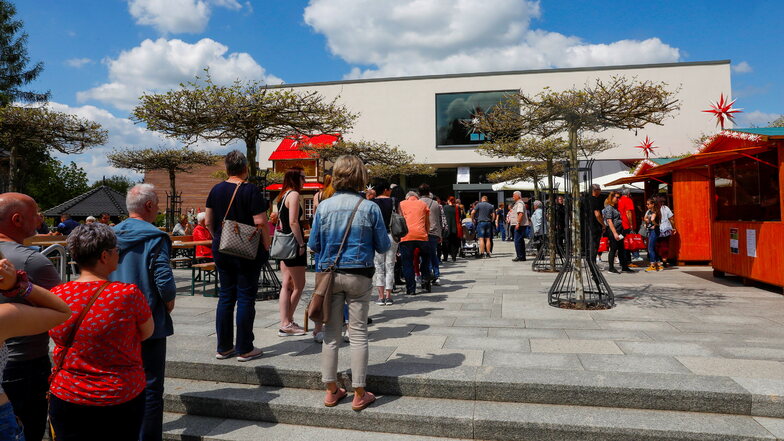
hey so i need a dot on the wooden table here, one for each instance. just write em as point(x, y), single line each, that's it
point(190, 249)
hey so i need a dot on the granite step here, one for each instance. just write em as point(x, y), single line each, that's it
point(467, 419)
point(694, 393)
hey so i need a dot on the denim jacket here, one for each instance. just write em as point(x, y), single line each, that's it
point(368, 233)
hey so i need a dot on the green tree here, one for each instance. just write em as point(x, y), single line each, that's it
point(51, 183)
point(119, 183)
point(171, 160)
point(244, 111)
point(14, 70)
point(382, 160)
point(620, 102)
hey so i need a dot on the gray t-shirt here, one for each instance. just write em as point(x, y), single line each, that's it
point(41, 272)
point(435, 216)
point(484, 212)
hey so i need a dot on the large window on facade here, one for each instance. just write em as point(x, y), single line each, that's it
point(454, 110)
point(748, 189)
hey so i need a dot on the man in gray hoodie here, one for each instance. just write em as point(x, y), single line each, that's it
point(144, 261)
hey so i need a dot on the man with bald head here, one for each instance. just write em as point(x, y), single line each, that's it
point(26, 376)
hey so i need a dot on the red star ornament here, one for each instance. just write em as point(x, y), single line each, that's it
point(723, 109)
point(646, 146)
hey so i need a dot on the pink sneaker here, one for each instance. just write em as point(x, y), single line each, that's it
point(360, 403)
point(332, 399)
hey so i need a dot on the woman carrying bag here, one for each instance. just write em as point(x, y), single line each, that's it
point(237, 202)
point(347, 232)
point(97, 383)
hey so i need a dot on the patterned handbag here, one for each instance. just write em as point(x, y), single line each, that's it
point(238, 239)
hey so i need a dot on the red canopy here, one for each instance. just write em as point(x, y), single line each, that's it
point(289, 148)
point(306, 186)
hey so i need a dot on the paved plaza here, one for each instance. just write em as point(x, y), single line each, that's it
point(677, 340)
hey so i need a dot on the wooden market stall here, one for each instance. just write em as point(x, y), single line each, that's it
point(742, 172)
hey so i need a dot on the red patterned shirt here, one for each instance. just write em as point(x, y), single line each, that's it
point(104, 365)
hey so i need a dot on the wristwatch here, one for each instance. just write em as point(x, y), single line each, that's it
point(21, 289)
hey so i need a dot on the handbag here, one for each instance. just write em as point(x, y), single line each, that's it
point(398, 226)
point(238, 239)
point(319, 306)
point(643, 231)
point(604, 245)
point(284, 245)
point(68, 342)
point(633, 242)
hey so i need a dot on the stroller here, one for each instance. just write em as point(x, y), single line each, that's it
point(469, 245)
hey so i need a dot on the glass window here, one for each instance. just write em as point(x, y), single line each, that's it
point(454, 110)
point(748, 189)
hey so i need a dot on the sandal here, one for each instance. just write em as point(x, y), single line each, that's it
point(224, 355)
point(252, 355)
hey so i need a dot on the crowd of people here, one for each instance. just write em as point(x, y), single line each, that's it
point(110, 325)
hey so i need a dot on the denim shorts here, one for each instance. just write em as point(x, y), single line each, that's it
point(484, 229)
point(9, 428)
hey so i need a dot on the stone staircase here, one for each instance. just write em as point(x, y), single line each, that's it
point(207, 400)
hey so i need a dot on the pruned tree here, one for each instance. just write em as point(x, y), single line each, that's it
point(119, 183)
point(24, 130)
point(382, 160)
point(244, 111)
point(619, 102)
point(171, 160)
point(14, 70)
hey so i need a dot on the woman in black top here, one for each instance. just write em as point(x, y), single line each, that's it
point(384, 277)
point(239, 278)
point(293, 283)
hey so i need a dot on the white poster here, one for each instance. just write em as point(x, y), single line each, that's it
point(464, 175)
point(751, 243)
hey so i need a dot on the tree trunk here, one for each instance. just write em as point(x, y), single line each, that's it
point(577, 247)
point(250, 152)
point(551, 215)
point(12, 169)
point(170, 220)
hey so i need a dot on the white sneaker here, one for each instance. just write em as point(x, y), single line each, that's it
point(319, 337)
point(380, 302)
point(637, 259)
point(418, 279)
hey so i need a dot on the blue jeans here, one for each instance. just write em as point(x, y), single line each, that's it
point(9, 428)
point(26, 384)
point(519, 242)
point(407, 258)
point(154, 359)
point(239, 283)
point(435, 260)
point(502, 230)
point(484, 229)
point(653, 236)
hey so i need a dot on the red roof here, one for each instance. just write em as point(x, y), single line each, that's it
point(289, 148)
point(307, 186)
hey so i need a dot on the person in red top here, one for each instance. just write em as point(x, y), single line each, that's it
point(202, 233)
point(97, 385)
point(417, 217)
point(629, 220)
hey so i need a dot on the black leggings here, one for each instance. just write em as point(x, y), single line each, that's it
point(78, 422)
point(616, 247)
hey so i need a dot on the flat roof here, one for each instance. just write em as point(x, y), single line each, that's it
point(764, 131)
point(511, 72)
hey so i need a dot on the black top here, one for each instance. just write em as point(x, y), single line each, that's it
point(591, 204)
point(386, 205)
point(560, 217)
point(247, 204)
point(283, 214)
point(451, 218)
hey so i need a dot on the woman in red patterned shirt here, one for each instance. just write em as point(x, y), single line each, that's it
point(97, 392)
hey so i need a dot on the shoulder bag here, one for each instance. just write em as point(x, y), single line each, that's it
point(319, 306)
point(68, 342)
point(397, 226)
point(284, 245)
point(238, 239)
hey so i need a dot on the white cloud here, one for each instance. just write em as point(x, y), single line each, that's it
point(77, 62)
point(123, 133)
point(742, 67)
point(754, 119)
point(414, 37)
point(160, 65)
point(177, 16)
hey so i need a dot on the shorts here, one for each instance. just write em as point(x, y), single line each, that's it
point(484, 230)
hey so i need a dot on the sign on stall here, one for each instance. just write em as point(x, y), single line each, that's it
point(751, 243)
point(734, 239)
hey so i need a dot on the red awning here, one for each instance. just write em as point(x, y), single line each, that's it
point(289, 148)
point(307, 186)
point(698, 160)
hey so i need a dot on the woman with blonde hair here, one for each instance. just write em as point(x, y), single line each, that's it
point(290, 218)
point(353, 284)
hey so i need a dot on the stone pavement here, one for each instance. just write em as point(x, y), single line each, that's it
point(677, 340)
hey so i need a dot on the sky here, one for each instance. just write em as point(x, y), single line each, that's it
point(100, 56)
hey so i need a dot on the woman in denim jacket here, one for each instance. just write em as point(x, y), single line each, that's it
point(354, 275)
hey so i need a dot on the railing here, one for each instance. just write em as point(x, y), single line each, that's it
point(60, 261)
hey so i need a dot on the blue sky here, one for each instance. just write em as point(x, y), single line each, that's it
point(100, 55)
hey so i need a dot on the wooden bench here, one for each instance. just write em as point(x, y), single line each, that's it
point(205, 273)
